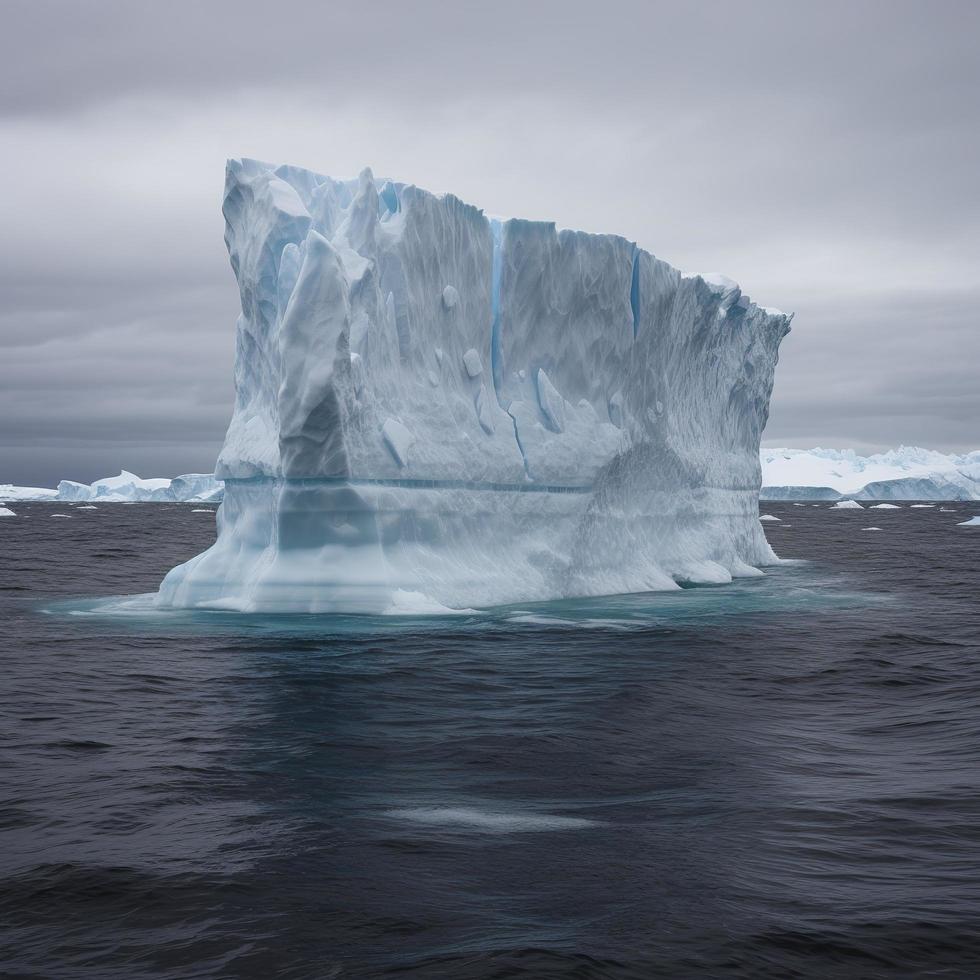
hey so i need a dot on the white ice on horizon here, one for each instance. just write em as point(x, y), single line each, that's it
point(905, 473)
point(125, 488)
point(846, 505)
point(432, 403)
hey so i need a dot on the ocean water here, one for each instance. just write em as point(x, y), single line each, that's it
point(777, 778)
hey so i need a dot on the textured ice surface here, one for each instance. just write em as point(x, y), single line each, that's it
point(906, 473)
point(434, 404)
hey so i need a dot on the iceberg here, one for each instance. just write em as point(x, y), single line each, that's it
point(798, 493)
point(906, 473)
point(11, 494)
point(124, 488)
point(472, 411)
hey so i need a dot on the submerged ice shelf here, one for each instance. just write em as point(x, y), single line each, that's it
point(438, 409)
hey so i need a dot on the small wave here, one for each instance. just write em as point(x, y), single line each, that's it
point(493, 821)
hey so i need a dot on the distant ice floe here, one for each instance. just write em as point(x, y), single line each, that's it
point(6, 512)
point(870, 528)
point(972, 522)
point(769, 517)
point(885, 507)
point(846, 505)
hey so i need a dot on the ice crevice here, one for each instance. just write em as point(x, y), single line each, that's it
point(436, 403)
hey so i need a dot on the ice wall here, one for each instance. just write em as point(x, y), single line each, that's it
point(433, 407)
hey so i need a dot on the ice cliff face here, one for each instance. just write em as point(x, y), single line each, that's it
point(438, 408)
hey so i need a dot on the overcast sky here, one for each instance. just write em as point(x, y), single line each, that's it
point(823, 154)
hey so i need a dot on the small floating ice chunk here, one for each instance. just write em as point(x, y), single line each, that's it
point(87, 507)
point(472, 363)
point(6, 512)
point(847, 505)
point(61, 515)
point(870, 528)
point(769, 517)
point(202, 510)
point(923, 505)
point(450, 297)
point(398, 439)
point(885, 507)
point(972, 522)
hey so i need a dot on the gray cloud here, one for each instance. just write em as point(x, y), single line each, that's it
point(823, 155)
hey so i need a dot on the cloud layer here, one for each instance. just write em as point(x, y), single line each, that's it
point(825, 156)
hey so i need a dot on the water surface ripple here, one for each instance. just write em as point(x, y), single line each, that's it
point(773, 779)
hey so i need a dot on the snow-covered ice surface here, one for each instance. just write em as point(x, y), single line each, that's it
point(906, 473)
point(12, 494)
point(473, 411)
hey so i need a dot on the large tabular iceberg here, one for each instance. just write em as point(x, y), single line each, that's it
point(435, 408)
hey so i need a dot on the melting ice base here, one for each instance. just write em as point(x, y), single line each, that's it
point(792, 587)
point(438, 410)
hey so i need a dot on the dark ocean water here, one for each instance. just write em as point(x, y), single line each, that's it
point(777, 778)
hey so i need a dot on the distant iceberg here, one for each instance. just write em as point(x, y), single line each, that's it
point(124, 488)
point(472, 411)
point(906, 473)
